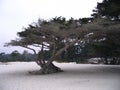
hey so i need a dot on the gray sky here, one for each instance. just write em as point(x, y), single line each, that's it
point(16, 14)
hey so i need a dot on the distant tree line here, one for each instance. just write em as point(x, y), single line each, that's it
point(16, 56)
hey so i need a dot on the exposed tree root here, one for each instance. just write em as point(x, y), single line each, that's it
point(47, 70)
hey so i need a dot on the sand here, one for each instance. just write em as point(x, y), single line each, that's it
point(15, 76)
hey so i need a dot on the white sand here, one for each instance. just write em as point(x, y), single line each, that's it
point(14, 76)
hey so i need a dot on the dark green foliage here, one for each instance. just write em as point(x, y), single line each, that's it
point(107, 49)
point(16, 56)
point(85, 20)
point(109, 9)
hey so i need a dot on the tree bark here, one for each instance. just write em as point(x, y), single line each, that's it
point(47, 69)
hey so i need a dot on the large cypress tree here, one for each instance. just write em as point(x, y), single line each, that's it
point(55, 35)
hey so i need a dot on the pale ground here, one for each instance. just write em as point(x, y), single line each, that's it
point(14, 76)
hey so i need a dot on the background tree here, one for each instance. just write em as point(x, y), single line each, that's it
point(26, 56)
point(15, 55)
point(2, 56)
point(109, 47)
point(109, 9)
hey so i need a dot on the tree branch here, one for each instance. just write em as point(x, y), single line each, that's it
point(30, 49)
point(61, 50)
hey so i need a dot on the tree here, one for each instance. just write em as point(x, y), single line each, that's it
point(56, 36)
point(26, 56)
point(1, 56)
point(109, 9)
point(109, 48)
point(15, 56)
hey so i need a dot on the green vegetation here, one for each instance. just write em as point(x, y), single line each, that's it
point(16, 56)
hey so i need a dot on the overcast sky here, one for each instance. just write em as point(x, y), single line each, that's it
point(16, 14)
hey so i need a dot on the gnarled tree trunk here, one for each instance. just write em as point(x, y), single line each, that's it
point(47, 69)
point(47, 66)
